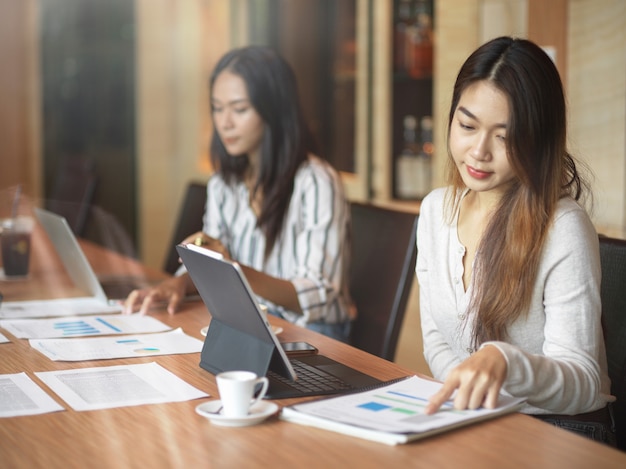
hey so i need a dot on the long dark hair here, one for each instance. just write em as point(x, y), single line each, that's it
point(510, 249)
point(287, 139)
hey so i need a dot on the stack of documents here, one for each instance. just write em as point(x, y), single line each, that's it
point(80, 338)
point(79, 329)
point(392, 413)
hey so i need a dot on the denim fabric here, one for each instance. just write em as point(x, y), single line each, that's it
point(339, 331)
point(597, 431)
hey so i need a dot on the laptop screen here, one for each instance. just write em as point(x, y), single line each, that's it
point(70, 253)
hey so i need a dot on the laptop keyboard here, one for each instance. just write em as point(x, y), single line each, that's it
point(311, 379)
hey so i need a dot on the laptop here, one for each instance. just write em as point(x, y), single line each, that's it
point(240, 337)
point(111, 291)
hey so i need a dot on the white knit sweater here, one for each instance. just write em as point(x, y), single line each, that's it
point(555, 354)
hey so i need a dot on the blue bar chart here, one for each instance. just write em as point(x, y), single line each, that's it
point(84, 326)
point(68, 328)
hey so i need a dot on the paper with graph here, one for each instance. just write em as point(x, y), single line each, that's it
point(127, 346)
point(82, 326)
point(392, 413)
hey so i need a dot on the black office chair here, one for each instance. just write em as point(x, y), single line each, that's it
point(381, 274)
point(613, 294)
point(73, 192)
point(189, 221)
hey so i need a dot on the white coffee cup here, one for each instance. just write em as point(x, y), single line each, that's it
point(236, 390)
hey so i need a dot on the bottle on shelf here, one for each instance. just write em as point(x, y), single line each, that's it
point(406, 161)
point(419, 49)
point(400, 39)
point(423, 165)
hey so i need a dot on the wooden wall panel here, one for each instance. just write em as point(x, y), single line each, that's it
point(547, 26)
point(597, 104)
point(19, 163)
point(178, 44)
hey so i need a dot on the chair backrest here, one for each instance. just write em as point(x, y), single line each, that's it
point(613, 294)
point(189, 221)
point(73, 192)
point(381, 274)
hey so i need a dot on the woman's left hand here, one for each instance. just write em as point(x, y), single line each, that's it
point(477, 381)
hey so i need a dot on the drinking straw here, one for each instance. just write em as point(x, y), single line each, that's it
point(16, 201)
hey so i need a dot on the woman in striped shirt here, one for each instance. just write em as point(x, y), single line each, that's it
point(272, 204)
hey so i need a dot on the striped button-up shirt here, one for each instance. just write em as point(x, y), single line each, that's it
point(312, 251)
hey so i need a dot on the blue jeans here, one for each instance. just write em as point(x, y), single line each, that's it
point(339, 331)
point(602, 431)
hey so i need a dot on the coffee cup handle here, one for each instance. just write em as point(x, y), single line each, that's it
point(261, 394)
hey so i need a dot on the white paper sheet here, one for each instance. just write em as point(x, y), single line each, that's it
point(391, 414)
point(19, 395)
point(129, 346)
point(54, 308)
point(396, 408)
point(4, 339)
point(81, 326)
point(118, 386)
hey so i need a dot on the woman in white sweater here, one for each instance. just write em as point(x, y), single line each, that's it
point(508, 261)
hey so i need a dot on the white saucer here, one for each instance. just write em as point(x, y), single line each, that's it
point(277, 330)
point(258, 412)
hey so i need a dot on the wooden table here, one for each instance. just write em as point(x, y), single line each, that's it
point(172, 435)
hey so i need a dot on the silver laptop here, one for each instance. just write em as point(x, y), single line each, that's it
point(78, 268)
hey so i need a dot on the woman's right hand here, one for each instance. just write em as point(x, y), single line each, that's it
point(171, 291)
point(477, 382)
point(206, 241)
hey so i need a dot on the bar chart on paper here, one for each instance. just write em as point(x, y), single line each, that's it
point(400, 404)
point(82, 326)
point(392, 413)
point(101, 348)
point(398, 407)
